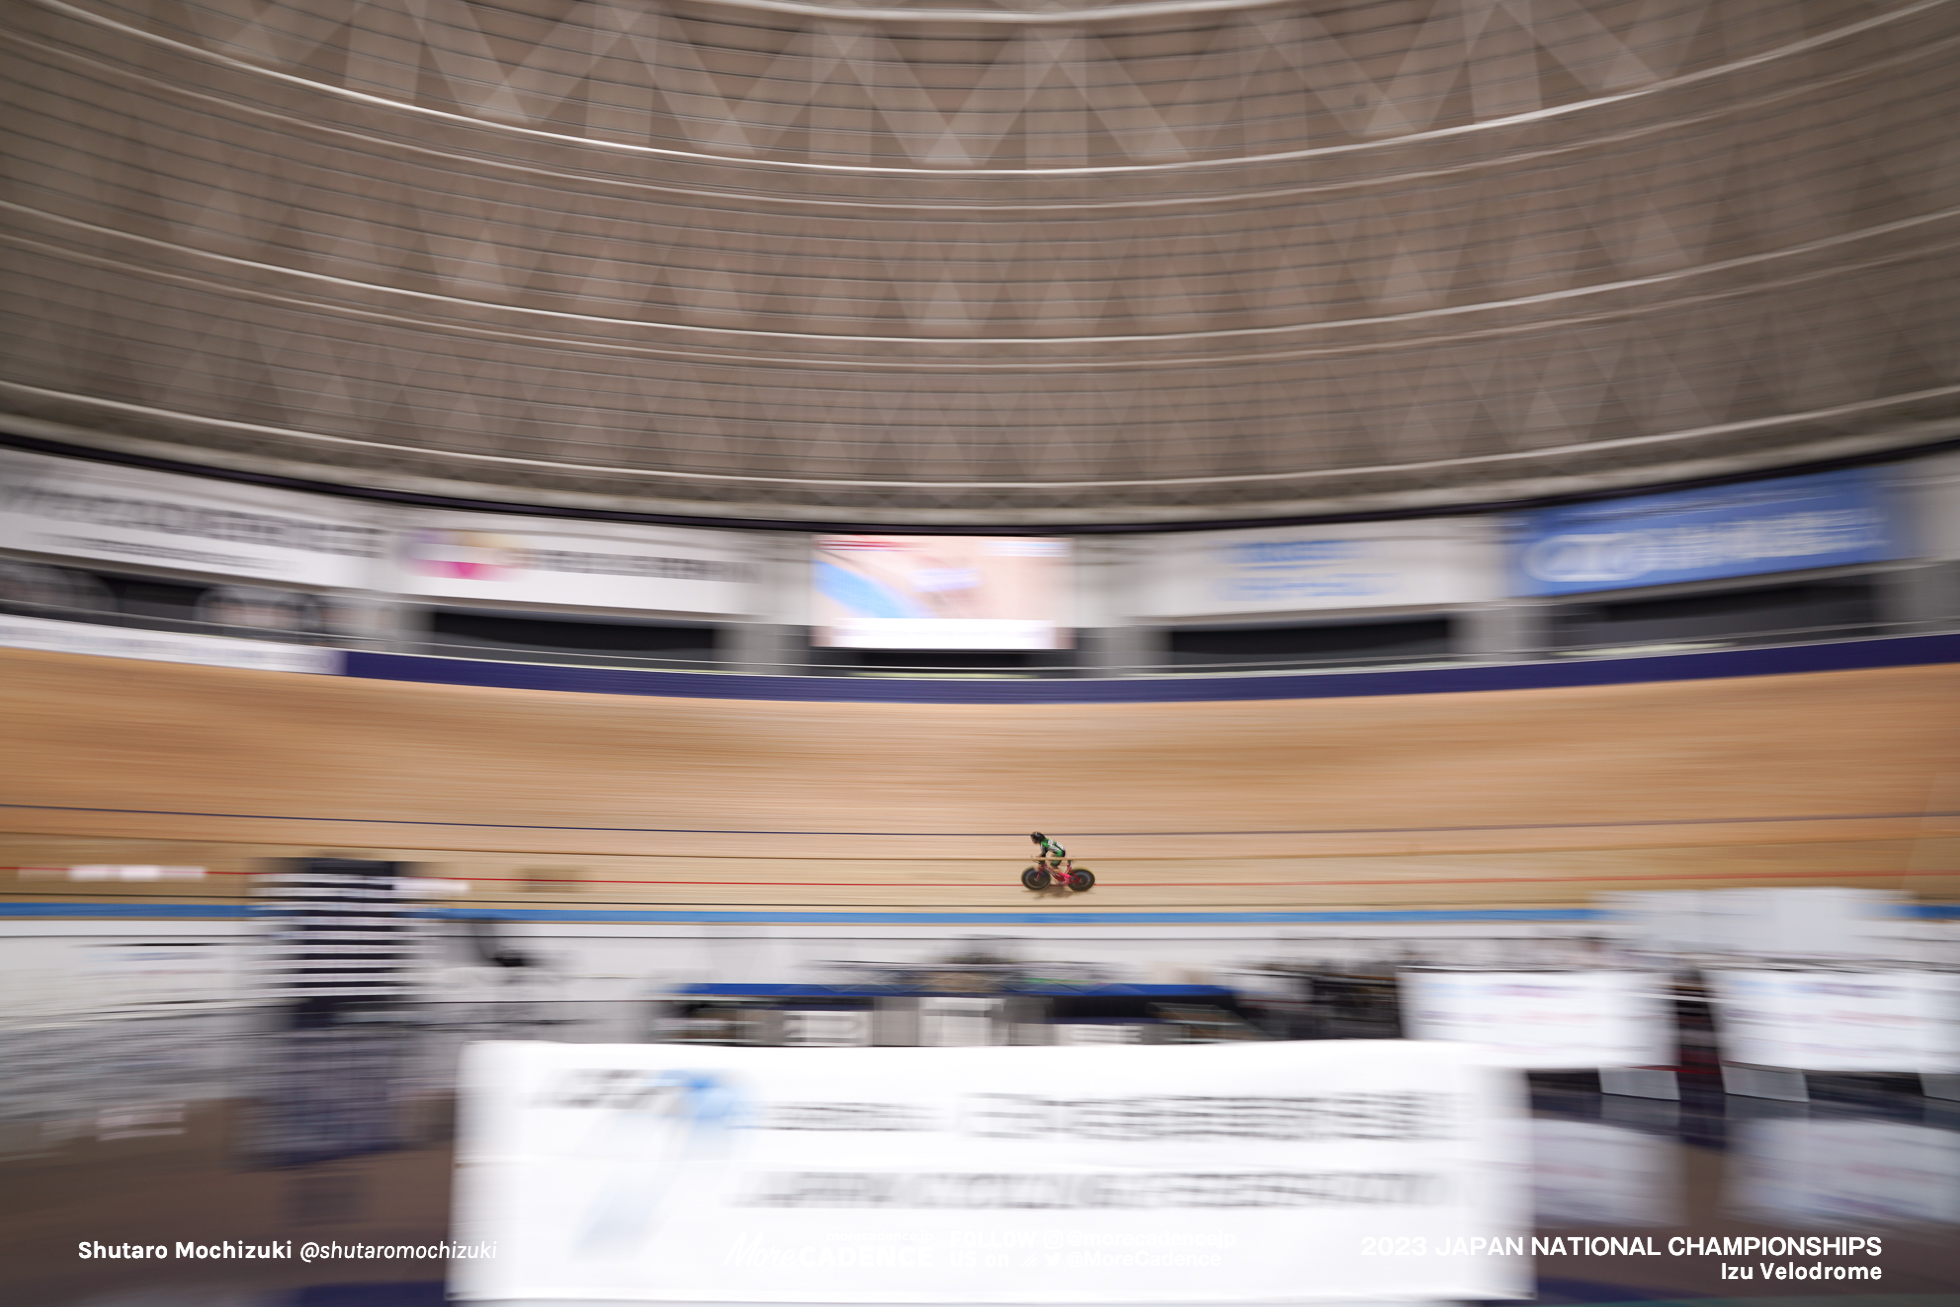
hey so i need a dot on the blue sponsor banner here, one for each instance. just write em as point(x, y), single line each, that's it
point(1830, 519)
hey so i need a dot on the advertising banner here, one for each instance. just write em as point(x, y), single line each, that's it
point(1360, 565)
point(1243, 1173)
point(1845, 1021)
point(1830, 519)
point(1544, 1020)
point(126, 515)
point(941, 592)
point(165, 646)
point(457, 556)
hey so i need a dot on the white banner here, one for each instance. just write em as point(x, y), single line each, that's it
point(1243, 1173)
point(166, 646)
point(1840, 1020)
point(1586, 1173)
point(1358, 565)
point(73, 509)
point(827, 1028)
point(660, 569)
point(1544, 1020)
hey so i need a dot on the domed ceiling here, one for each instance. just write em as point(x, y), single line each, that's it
point(953, 263)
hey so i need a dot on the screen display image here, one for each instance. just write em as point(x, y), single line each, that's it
point(941, 592)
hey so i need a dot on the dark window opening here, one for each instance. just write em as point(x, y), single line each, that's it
point(1821, 610)
point(944, 659)
point(824, 661)
point(571, 636)
point(142, 596)
point(30, 588)
point(1292, 645)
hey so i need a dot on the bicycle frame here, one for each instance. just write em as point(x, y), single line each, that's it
point(1062, 869)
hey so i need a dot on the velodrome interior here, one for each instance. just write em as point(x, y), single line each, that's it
point(604, 524)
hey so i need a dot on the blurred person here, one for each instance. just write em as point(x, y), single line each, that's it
point(1050, 857)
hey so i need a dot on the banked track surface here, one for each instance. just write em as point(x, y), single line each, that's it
point(592, 804)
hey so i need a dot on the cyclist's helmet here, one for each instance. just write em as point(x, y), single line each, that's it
point(1038, 838)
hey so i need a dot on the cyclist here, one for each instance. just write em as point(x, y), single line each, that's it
point(1052, 866)
point(1052, 857)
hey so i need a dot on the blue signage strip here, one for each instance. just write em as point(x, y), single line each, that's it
point(1829, 519)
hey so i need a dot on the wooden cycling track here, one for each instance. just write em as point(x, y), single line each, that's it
point(1509, 798)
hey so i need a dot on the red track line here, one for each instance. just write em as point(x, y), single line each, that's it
point(1542, 880)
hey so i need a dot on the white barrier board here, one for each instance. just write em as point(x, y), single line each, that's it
point(1586, 1173)
point(1853, 1173)
point(1544, 1020)
point(166, 646)
point(1839, 1020)
point(1813, 922)
point(1244, 1173)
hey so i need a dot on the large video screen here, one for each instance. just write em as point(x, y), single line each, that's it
point(941, 592)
